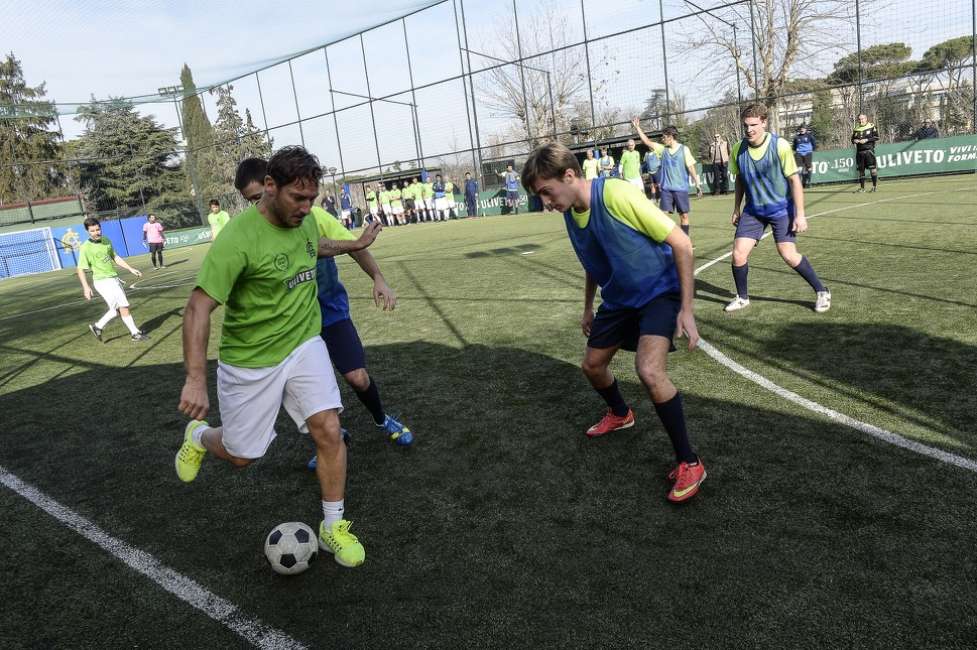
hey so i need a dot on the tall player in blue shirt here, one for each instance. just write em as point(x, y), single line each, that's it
point(643, 265)
point(804, 147)
point(766, 174)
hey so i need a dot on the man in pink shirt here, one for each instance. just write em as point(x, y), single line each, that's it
point(152, 234)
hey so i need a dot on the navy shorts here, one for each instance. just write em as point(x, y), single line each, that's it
point(656, 176)
point(752, 227)
point(512, 196)
point(344, 345)
point(675, 201)
point(624, 326)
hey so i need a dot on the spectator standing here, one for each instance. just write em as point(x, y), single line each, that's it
point(719, 155)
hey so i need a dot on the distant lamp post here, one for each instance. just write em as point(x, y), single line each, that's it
point(332, 172)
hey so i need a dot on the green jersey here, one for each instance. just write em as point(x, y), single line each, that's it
point(428, 189)
point(371, 199)
point(217, 221)
point(416, 191)
point(630, 165)
point(98, 256)
point(265, 277)
point(449, 188)
point(395, 198)
point(384, 197)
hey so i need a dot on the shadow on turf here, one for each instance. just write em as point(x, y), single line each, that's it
point(504, 524)
point(722, 295)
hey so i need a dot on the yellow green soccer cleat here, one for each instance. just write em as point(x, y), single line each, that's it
point(191, 454)
point(344, 546)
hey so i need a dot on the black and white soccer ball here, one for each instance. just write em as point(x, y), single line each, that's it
point(291, 547)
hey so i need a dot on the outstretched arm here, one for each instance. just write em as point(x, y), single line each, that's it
point(334, 247)
point(121, 262)
point(383, 295)
point(194, 400)
point(641, 134)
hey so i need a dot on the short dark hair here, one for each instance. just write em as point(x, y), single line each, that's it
point(670, 131)
point(215, 202)
point(91, 221)
point(248, 171)
point(549, 161)
point(754, 110)
point(293, 163)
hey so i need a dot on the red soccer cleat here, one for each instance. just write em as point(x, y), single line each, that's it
point(611, 422)
point(687, 479)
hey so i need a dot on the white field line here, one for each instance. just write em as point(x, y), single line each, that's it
point(184, 588)
point(870, 429)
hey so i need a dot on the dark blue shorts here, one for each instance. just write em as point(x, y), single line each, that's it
point(656, 176)
point(512, 196)
point(345, 348)
point(752, 227)
point(675, 201)
point(624, 326)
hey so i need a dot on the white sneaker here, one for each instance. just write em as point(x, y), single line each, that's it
point(737, 304)
point(823, 302)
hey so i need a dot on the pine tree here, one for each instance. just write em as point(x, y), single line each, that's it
point(129, 161)
point(29, 139)
point(234, 140)
point(199, 137)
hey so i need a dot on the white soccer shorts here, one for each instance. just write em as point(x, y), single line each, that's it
point(440, 204)
point(112, 293)
point(429, 203)
point(398, 209)
point(250, 398)
point(386, 208)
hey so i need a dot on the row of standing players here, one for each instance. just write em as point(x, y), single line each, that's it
point(286, 319)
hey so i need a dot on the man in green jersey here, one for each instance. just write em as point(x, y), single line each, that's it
point(606, 163)
point(372, 211)
point(396, 206)
point(217, 219)
point(263, 270)
point(449, 198)
point(591, 168)
point(630, 166)
point(427, 193)
point(98, 255)
point(387, 216)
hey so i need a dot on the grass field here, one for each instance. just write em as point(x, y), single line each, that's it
point(504, 525)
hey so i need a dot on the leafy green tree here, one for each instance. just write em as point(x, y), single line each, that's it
point(234, 140)
point(883, 61)
point(198, 134)
point(127, 161)
point(29, 138)
point(947, 62)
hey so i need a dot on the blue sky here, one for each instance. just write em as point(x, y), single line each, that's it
point(87, 47)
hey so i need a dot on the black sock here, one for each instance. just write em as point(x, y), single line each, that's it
point(615, 402)
point(739, 277)
point(672, 416)
point(685, 229)
point(807, 272)
point(875, 180)
point(371, 400)
point(861, 182)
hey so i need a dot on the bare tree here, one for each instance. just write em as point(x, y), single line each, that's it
point(785, 32)
point(541, 96)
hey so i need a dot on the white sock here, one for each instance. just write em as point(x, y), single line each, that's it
point(131, 324)
point(197, 435)
point(332, 511)
point(106, 317)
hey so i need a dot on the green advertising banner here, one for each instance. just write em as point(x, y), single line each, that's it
point(491, 202)
point(933, 156)
point(187, 237)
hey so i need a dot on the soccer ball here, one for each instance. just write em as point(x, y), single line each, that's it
point(291, 547)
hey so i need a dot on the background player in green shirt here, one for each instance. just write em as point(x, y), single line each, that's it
point(263, 270)
point(98, 255)
point(372, 208)
point(217, 219)
point(631, 166)
point(591, 168)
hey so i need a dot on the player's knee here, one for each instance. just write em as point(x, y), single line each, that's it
point(740, 257)
point(240, 462)
point(324, 428)
point(652, 375)
point(359, 379)
point(593, 368)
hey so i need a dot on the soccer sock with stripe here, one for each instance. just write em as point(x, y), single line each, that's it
point(672, 415)
point(615, 401)
point(740, 274)
point(371, 400)
point(861, 180)
point(685, 229)
point(807, 272)
point(332, 511)
point(106, 317)
point(875, 180)
point(131, 324)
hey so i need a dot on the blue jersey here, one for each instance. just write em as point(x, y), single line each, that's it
point(675, 176)
point(511, 182)
point(333, 300)
point(804, 144)
point(471, 188)
point(438, 189)
point(630, 268)
point(652, 162)
point(767, 190)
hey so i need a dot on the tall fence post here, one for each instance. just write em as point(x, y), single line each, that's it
point(756, 68)
point(661, 24)
point(295, 96)
point(471, 85)
point(858, 49)
point(418, 148)
point(335, 121)
point(586, 51)
point(973, 62)
point(464, 91)
point(522, 77)
point(373, 119)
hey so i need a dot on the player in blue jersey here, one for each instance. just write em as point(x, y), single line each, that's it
point(677, 167)
point(766, 174)
point(643, 265)
point(804, 146)
point(338, 331)
point(511, 179)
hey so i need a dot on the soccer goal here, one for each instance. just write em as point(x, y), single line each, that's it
point(28, 251)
